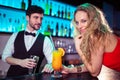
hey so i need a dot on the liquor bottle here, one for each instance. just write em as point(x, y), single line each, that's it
point(29, 3)
point(50, 8)
point(57, 31)
point(52, 29)
point(68, 14)
point(4, 20)
point(70, 32)
point(58, 12)
point(48, 27)
point(61, 30)
point(23, 5)
point(10, 26)
point(65, 31)
point(62, 13)
point(47, 8)
point(55, 10)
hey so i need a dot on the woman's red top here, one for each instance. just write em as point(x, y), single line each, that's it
point(112, 59)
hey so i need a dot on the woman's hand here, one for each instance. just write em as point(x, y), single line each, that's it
point(67, 70)
point(77, 41)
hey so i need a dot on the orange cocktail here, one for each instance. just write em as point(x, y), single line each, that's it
point(57, 61)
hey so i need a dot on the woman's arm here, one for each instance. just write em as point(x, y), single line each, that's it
point(93, 66)
point(76, 69)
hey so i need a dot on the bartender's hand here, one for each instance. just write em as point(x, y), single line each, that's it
point(48, 68)
point(27, 63)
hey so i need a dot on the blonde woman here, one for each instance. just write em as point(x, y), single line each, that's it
point(94, 41)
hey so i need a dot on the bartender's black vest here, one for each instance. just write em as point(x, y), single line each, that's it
point(22, 53)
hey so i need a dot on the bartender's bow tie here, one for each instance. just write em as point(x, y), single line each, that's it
point(29, 33)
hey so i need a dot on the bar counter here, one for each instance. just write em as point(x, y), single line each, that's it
point(47, 76)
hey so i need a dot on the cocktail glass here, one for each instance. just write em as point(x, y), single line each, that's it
point(57, 63)
point(36, 58)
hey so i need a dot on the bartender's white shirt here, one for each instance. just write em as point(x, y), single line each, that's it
point(29, 41)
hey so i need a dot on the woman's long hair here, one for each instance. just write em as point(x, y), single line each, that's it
point(96, 32)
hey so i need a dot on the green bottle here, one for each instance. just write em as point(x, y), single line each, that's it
point(23, 5)
point(47, 8)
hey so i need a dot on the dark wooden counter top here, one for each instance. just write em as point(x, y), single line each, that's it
point(46, 76)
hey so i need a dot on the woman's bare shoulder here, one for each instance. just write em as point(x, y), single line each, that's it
point(110, 43)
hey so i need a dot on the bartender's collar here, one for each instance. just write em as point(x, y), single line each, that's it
point(35, 31)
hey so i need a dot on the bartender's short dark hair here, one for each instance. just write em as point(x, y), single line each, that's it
point(34, 9)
